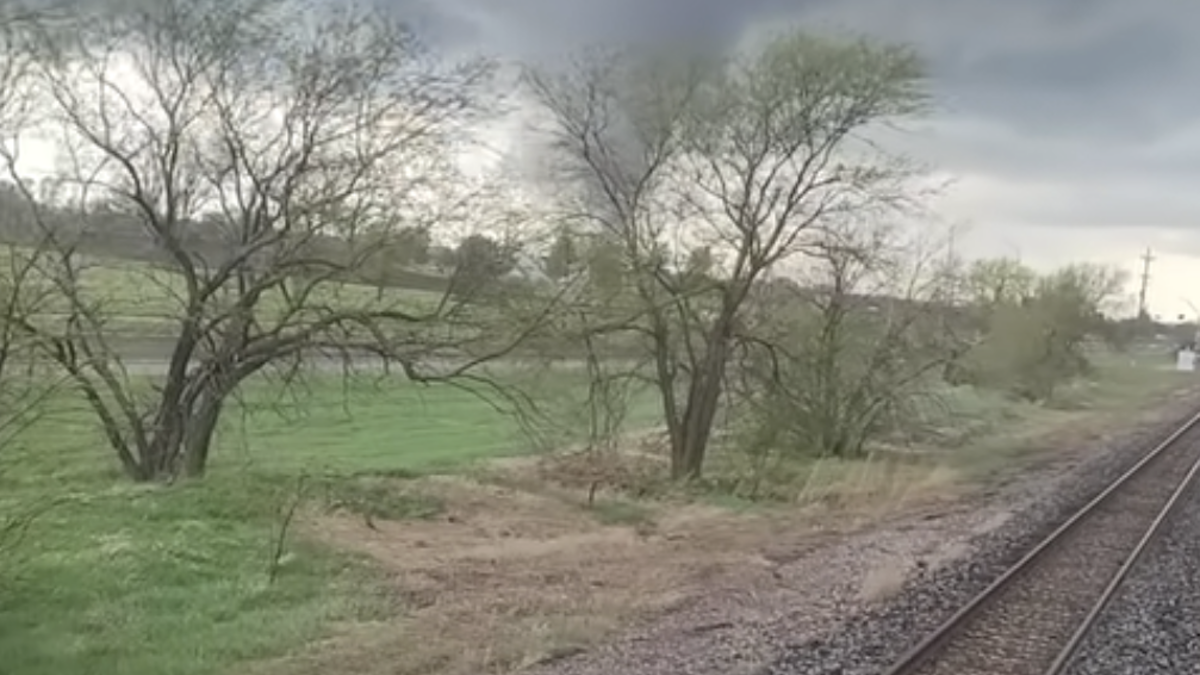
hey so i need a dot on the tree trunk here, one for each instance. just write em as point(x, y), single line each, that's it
point(199, 434)
point(171, 419)
point(689, 444)
point(162, 457)
point(690, 447)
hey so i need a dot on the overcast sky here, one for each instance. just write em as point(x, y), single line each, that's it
point(1071, 127)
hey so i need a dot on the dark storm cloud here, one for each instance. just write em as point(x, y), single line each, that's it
point(1046, 64)
point(1085, 99)
point(1043, 66)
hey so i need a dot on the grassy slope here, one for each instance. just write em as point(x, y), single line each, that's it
point(133, 580)
point(1007, 434)
point(129, 581)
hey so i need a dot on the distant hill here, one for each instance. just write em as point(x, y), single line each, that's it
point(121, 238)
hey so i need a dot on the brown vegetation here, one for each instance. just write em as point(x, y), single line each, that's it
point(518, 569)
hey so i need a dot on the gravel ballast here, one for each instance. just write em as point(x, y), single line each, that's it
point(1152, 626)
point(868, 643)
point(807, 613)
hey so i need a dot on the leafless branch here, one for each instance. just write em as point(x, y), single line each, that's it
point(751, 158)
point(256, 166)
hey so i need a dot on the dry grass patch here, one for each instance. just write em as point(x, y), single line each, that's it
point(1055, 437)
point(518, 569)
point(505, 578)
point(880, 483)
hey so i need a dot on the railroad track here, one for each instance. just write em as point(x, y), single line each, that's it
point(1032, 619)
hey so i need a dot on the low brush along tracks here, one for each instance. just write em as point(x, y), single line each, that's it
point(1031, 620)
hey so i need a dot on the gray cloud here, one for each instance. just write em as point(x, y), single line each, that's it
point(1065, 67)
point(1071, 113)
point(1072, 125)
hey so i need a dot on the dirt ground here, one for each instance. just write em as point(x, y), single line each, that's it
point(518, 571)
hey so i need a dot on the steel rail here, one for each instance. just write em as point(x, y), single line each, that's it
point(1067, 656)
point(930, 646)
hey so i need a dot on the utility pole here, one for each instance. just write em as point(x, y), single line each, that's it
point(1147, 258)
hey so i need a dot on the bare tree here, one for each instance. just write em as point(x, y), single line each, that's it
point(24, 385)
point(23, 292)
point(851, 357)
point(261, 151)
point(756, 156)
point(992, 282)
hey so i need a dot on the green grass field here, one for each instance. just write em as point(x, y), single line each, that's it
point(143, 300)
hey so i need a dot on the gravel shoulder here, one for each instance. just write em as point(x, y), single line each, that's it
point(852, 603)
